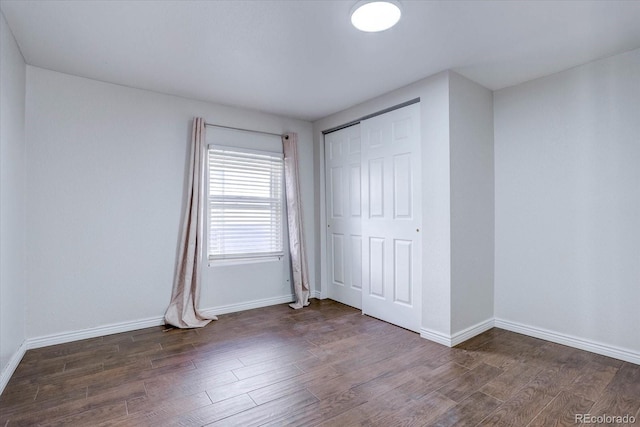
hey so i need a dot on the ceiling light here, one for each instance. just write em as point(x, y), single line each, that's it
point(374, 16)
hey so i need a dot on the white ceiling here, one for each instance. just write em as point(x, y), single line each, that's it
point(302, 58)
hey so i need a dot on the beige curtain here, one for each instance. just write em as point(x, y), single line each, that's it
point(183, 309)
point(294, 217)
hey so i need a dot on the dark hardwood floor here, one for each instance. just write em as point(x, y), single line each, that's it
point(325, 365)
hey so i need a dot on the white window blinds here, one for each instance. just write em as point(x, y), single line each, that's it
point(245, 203)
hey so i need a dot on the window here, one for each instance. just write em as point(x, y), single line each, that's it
point(245, 204)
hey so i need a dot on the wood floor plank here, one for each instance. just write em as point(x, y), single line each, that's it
point(383, 401)
point(166, 335)
point(419, 412)
point(260, 368)
point(562, 411)
point(338, 403)
point(371, 412)
point(556, 377)
point(424, 384)
point(44, 367)
point(612, 403)
point(208, 414)
point(591, 382)
point(470, 382)
point(499, 349)
point(605, 360)
point(511, 380)
point(110, 378)
point(72, 349)
point(325, 365)
point(218, 365)
point(17, 393)
point(293, 384)
point(385, 367)
point(173, 386)
point(349, 362)
point(462, 357)
point(626, 382)
point(469, 412)
point(388, 381)
point(316, 412)
point(59, 393)
point(222, 392)
point(274, 410)
point(48, 411)
point(520, 409)
point(151, 411)
point(290, 351)
point(211, 352)
point(91, 416)
point(556, 354)
point(503, 351)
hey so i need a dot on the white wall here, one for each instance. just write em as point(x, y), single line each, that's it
point(472, 202)
point(567, 171)
point(106, 176)
point(434, 109)
point(12, 204)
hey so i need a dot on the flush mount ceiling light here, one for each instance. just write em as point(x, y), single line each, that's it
point(373, 16)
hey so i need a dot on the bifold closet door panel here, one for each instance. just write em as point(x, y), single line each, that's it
point(391, 217)
point(344, 213)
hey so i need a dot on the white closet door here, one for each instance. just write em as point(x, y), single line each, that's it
point(344, 214)
point(391, 217)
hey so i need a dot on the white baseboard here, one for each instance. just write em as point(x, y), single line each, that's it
point(232, 308)
point(547, 335)
point(472, 331)
point(99, 331)
point(115, 328)
point(571, 341)
point(458, 337)
point(8, 370)
point(435, 336)
point(317, 294)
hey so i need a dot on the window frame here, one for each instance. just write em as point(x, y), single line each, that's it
point(243, 258)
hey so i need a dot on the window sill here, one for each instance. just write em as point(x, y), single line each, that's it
point(242, 261)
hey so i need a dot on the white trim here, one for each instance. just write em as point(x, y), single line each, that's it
point(236, 149)
point(317, 294)
point(435, 336)
point(222, 262)
point(116, 328)
point(99, 331)
point(471, 331)
point(8, 370)
point(322, 213)
point(232, 308)
point(458, 337)
point(571, 341)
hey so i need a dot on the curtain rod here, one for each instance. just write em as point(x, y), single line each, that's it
point(242, 129)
